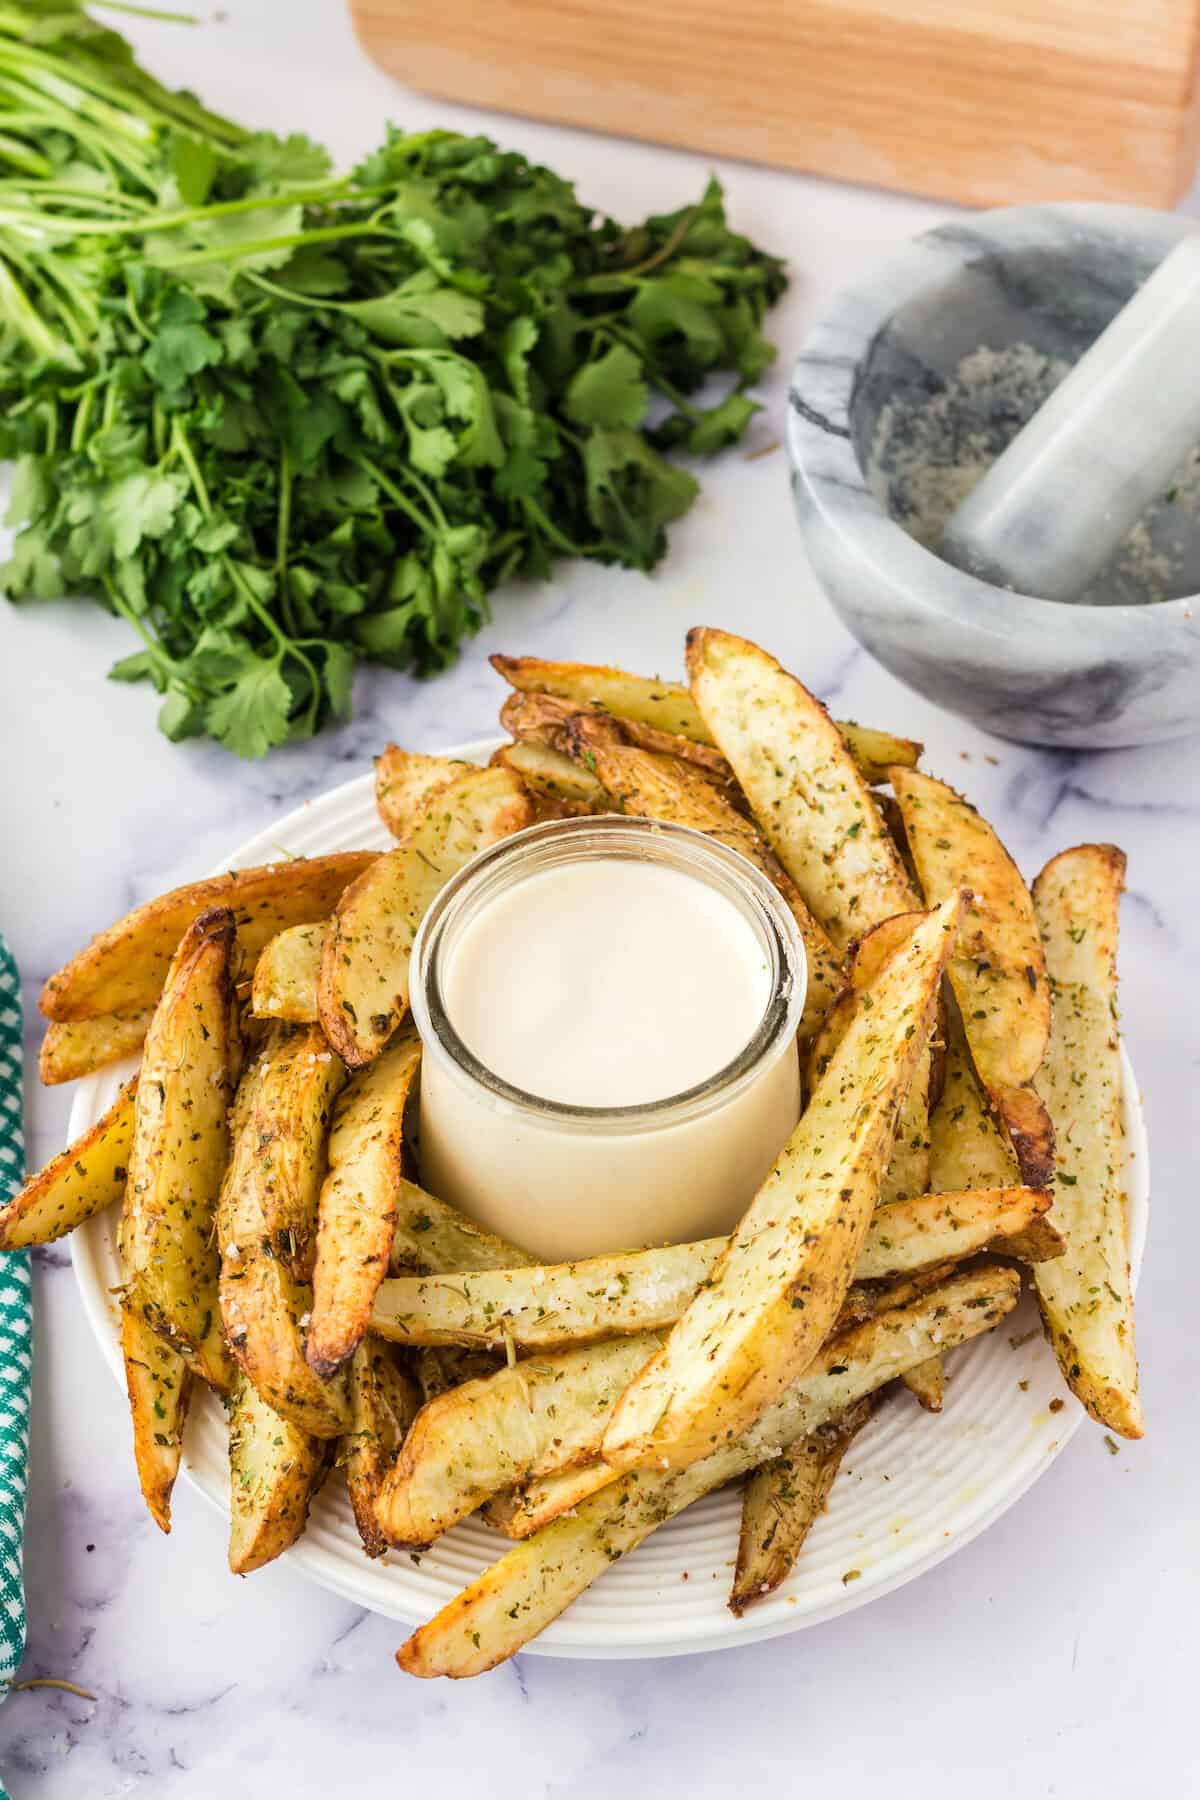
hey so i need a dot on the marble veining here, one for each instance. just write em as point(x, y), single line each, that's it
point(1054, 1656)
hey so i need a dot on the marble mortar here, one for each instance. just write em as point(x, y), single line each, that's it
point(1121, 666)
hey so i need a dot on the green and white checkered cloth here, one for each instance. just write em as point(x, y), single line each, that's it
point(16, 1335)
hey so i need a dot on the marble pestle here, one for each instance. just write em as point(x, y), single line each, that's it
point(1053, 508)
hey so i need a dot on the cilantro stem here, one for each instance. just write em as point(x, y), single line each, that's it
point(283, 524)
point(148, 12)
point(602, 284)
point(324, 234)
point(179, 442)
point(426, 526)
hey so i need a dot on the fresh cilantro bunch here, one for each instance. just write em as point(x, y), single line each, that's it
point(280, 421)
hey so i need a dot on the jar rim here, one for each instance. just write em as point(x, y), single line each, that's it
point(565, 842)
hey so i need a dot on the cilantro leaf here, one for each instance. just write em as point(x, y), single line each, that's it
point(253, 714)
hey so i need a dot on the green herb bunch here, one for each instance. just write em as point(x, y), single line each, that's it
point(280, 420)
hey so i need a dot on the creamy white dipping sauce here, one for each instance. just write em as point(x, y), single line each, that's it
point(609, 982)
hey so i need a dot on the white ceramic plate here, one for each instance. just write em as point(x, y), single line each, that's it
point(915, 1487)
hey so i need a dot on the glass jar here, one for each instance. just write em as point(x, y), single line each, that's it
point(567, 1181)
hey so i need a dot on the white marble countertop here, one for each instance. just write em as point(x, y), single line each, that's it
point(1056, 1655)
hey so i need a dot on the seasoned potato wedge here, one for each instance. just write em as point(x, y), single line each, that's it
point(77, 1183)
point(72, 1050)
point(181, 1147)
point(432, 1237)
point(286, 975)
point(405, 782)
point(783, 1500)
point(298, 1079)
point(266, 1226)
point(807, 792)
point(549, 775)
point(908, 1168)
point(1086, 1296)
point(543, 1308)
point(532, 1584)
point(998, 971)
point(356, 1215)
point(363, 989)
point(123, 970)
point(966, 1147)
point(158, 1383)
point(668, 710)
point(539, 1415)
point(275, 1469)
point(384, 1401)
point(927, 1384)
point(651, 786)
point(776, 1291)
point(520, 1512)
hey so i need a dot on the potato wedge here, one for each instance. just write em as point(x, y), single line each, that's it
point(158, 1383)
point(908, 1169)
point(1086, 1295)
point(275, 1469)
point(549, 775)
point(405, 782)
point(667, 709)
point(286, 975)
point(784, 1499)
point(531, 1585)
point(537, 1416)
point(76, 1184)
point(363, 990)
point(356, 1215)
point(297, 1083)
point(432, 1237)
point(998, 971)
point(123, 970)
point(966, 1146)
point(775, 1293)
point(544, 1308)
point(181, 1147)
point(927, 1384)
point(651, 786)
point(806, 791)
point(519, 1512)
point(266, 1226)
point(72, 1050)
point(384, 1401)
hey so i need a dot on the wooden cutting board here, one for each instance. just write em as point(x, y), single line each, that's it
point(984, 101)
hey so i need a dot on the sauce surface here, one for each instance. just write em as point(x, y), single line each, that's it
point(607, 983)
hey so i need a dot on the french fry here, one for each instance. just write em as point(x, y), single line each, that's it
point(805, 788)
point(966, 1147)
point(519, 1512)
point(783, 1500)
point(266, 1226)
point(545, 1308)
point(158, 1383)
point(71, 1050)
point(406, 781)
point(998, 971)
point(536, 1417)
point(1086, 1298)
point(75, 1185)
point(544, 719)
point(356, 1214)
point(651, 786)
point(363, 988)
point(384, 1401)
point(908, 1169)
point(775, 1293)
point(516, 1598)
point(123, 970)
point(275, 1469)
point(431, 1237)
point(926, 1382)
point(286, 975)
point(549, 775)
point(180, 1149)
point(667, 708)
